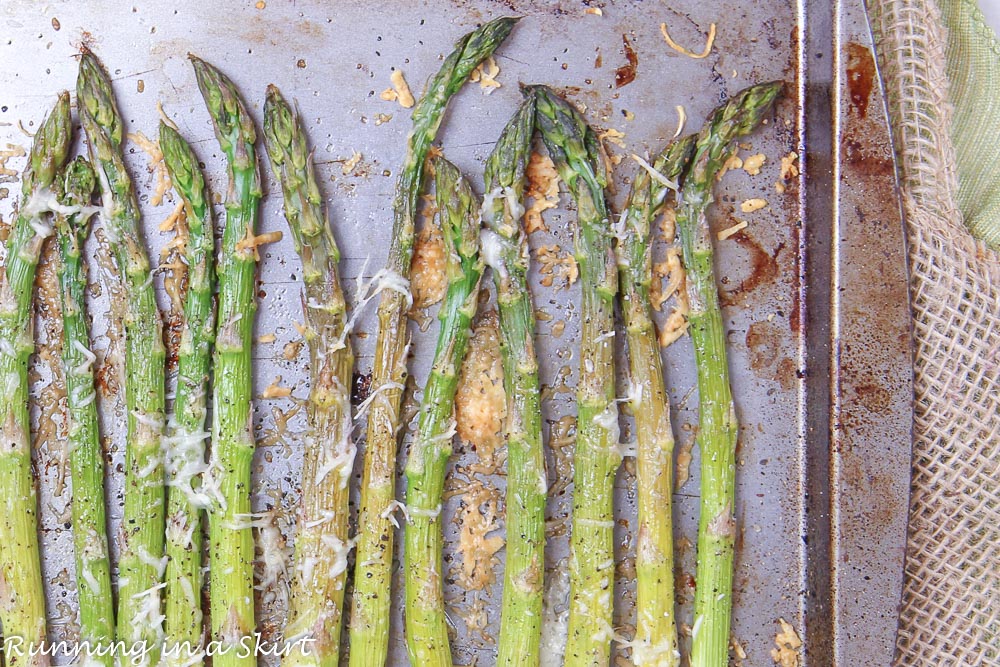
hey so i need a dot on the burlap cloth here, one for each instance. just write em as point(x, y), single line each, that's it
point(950, 613)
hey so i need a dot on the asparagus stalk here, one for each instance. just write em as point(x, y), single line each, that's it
point(655, 641)
point(231, 548)
point(577, 155)
point(505, 249)
point(369, 628)
point(141, 563)
point(321, 545)
point(718, 427)
point(186, 434)
point(90, 539)
point(22, 598)
point(426, 626)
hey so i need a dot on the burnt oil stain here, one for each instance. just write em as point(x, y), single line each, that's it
point(766, 345)
point(860, 76)
point(763, 270)
point(625, 74)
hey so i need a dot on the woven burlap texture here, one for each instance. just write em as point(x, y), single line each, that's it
point(950, 612)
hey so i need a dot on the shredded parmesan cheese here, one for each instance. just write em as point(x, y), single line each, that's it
point(156, 165)
point(401, 90)
point(684, 458)
point(169, 223)
point(789, 169)
point(250, 241)
point(485, 74)
point(685, 51)
point(788, 643)
point(291, 350)
point(751, 205)
point(350, 163)
point(726, 233)
point(275, 390)
point(654, 174)
point(613, 136)
point(753, 164)
point(672, 269)
point(734, 161)
point(267, 338)
point(7, 174)
point(556, 263)
point(681, 119)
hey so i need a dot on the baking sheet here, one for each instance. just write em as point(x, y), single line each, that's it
point(814, 288)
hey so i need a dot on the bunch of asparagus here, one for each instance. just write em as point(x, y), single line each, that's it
point(169, 482)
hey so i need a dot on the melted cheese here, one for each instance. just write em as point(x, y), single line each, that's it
point(752, 164)
point(157, 165)
point(789, 645)
point(480, 401)
point(542, 188)
point(275, 390)
point(751, 205)
point(402, 89)
point(730, 231)
point(478, 518)
point(555, 263)
point(485, 74)
point(427, 268)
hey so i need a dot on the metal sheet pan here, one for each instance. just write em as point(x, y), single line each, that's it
point(814, 288)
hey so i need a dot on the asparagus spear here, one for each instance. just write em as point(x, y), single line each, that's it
point(576, 153)
point(186, 429)
point(426, 626)
point(655, 641)
point(321, 545)
point(505, 249)
point(717, 417)
point(22, 599)
point(231, 548)
point(141, 563)
point(90, 539)
point(369, 628)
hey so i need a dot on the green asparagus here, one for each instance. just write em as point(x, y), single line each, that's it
point(505, 250)
point(231, 545)
point(321, 544)
point(141, 565)
point(185, 441)
point(426, 626)
point(90, 537)
point(655, 641)
point(574, 149)
point(22, 598)
point(369, 628)
point(718, 427)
